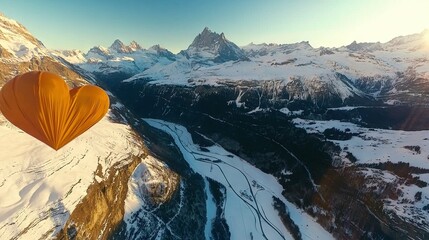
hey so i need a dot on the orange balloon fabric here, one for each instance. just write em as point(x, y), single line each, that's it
point(41, 104)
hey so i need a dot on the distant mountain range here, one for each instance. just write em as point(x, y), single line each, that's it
point(269, 145)
point(386, 71)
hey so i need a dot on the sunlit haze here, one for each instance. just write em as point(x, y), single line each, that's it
point(173, 24)
point(427, 38)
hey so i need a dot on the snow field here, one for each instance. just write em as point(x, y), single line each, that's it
point(249, 207)
point(372, 146)
point(40, 187)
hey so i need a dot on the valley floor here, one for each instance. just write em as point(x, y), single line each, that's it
point(248, 207)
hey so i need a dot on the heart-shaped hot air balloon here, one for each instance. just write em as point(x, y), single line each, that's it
point(41, 104)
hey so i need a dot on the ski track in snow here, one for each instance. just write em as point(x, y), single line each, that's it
point(40, 187)
point(248, 204)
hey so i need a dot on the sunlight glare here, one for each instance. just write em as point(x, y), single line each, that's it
point(426, 37)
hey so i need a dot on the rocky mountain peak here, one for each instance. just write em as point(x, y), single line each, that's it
point(206, 30)
point(364, 46)
point(209, 43)
point(99, 50)
point(163, 52)
point(135, 46)
point(97, 54)
point(119, 47)
point(206, 39)
point(222, 35)
point(157, 47)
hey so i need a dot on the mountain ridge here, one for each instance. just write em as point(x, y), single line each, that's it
point(238, 117)
point(212, 46)
point(210, 55)
point(42, 188)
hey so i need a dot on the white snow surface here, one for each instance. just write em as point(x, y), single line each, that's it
point(40, 187)
point(16, 40)
point(315, 69)
point(249, 191)
point(376, 145)
point(71, 56)
point(110, 60)
point(291, 61)
point(380, 146)
point(288, 112)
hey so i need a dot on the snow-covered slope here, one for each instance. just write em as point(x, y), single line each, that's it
point(394, 70)
point(16, 43)
point(118, 58)
point(40, 187)
point(358, 69)
point(21, 52)
point(209, 47)
point(249, 208)
point(405, 151)
point(71, 56)
point(212, 57)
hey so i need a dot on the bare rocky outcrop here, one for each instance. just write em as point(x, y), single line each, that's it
point(98, 213)
point(8, 70)
point(5, 53)
point(102, 208)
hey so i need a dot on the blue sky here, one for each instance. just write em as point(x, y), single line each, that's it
point(81, 24)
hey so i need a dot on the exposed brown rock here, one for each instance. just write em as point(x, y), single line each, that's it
point(161, 183)
point(8, 70)
point(96, 216)
point(4, 53)
point(20, 30)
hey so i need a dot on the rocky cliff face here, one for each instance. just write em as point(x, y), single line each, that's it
point(252, 118)
point(107, 185)
point(102, 213)
point(80, 191)
point(11, 69)
point(393, 73)
point(102, 209)
point(210, 46)
point(334, 194)
point(22, 52)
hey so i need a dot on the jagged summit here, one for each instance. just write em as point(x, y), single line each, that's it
point(135, 46)
point(207, 39)
point(162, 52)
point(157, 47)
point(215, 47)
point(119, 47)
point(364, 46)
point(97, 52)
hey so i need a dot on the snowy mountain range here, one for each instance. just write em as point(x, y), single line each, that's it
point(226, 142)
point(42, 189)
point(209, 46)
point(387, 71)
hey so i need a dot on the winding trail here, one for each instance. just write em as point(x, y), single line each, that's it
point(211, 158)
point(248, 208)
point(315, 186)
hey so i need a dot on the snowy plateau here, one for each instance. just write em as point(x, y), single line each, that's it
point(218, 141)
